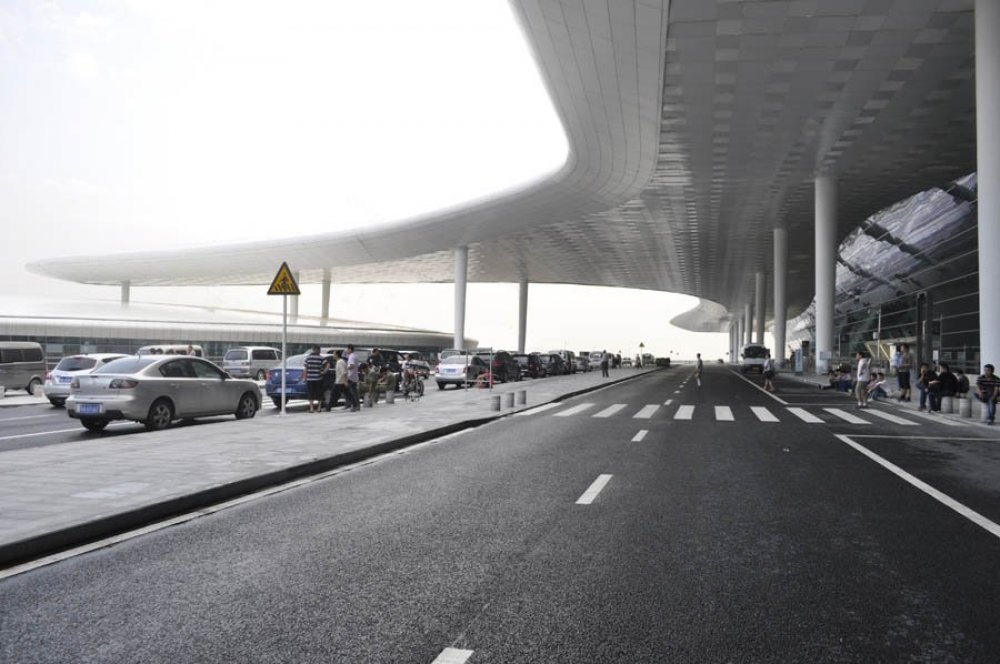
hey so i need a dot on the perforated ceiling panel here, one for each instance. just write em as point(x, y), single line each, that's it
point(695, 128)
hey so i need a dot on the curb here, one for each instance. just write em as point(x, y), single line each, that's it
point(39, 546)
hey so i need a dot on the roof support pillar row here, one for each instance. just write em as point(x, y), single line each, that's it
point(758, 305)
point(522, 315)
point(734, 331)
point(780, 293)
point(293, 313)
point(987, 42)
point(747, 324)
point(126, 291)
point(826, 268)
point(461, 281)
point(326, 297)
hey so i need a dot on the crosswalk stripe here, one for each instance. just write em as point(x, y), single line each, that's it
point(574, 410)
point(639, 436)
point(668, 402)
point(893, 418)
point(646, 412)
point(611, 410)
point(805, 415)
point(684, 413)
point(724, 414)
point(763, 414)
point(940, 420)
point(847, 417)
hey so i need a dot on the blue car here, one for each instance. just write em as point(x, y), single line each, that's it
point(295, 383)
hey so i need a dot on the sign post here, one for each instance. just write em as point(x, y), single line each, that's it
point(284, 284)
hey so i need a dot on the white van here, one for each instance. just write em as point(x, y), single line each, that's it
point(752, 358)
point(251, 361)
point(22, 366)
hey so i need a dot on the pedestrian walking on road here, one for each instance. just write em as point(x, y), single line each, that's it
point(604, 364)
point(768, 370)
point(697, 370)
point(353, 403)
point(863, 376)
point(987, 391)
point(314, 379)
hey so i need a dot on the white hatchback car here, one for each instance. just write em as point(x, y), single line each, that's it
point(57, 381)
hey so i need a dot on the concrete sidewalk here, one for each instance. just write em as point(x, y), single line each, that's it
point(59, 496)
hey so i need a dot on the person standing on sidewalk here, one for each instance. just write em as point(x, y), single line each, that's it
point(604, 365)
point(927, 376)
point(987, 390)
point(904, 365)
point(314, 379)
point(339, 380)
point(861, 382)
point(353, 404)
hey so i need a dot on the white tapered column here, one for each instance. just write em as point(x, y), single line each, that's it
point(522, 315)
point(988, 171)
point(826, 268)
point(461, 281)
point(126, 291)
point(747, 324)
point(780, 294)
point(326, 296)
point(759, 308)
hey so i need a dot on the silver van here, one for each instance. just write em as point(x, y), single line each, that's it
point(22, 366)
point(251, 361)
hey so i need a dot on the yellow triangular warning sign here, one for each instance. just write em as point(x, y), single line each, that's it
point(284, 283)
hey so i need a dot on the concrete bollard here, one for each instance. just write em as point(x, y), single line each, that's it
point(947, 404)
point(495, 402)
point(2, 391)
point(368, 400)
point(509, 400)
point(390, 396)
point(522, 397)
point(965, 407)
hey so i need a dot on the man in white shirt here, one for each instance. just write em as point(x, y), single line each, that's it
point(863, 374)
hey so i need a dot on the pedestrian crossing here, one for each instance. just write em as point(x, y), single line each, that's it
point(725, 413)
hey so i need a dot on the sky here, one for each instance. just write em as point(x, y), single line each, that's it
point(131, 125)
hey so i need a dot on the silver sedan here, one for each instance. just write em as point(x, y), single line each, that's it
point(156, 390)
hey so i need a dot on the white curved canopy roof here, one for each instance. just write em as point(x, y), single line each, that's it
point(695, 127)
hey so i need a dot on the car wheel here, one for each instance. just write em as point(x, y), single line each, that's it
point(161, 414)
point(440, 385)
point(58, 403)
point(91, 424)
point(34, 386)
point(247, 407)
point(261, 375)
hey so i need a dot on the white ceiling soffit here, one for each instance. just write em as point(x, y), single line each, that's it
point(688, 145)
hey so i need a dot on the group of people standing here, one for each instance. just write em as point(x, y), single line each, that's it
point(329, 378)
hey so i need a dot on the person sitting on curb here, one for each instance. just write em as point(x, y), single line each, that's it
point(987, 389)
point(386, 383)
point(944, 385)
point(962, 391)
point(876, 387)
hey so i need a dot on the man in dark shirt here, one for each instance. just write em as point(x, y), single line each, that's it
point(314, 379)
point(945, 385)
point(987, 388)
point(927, 376)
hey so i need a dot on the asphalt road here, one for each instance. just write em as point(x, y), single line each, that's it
point(563, 536)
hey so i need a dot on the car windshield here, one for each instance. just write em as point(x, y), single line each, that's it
point(128, 365)
point(755, 352)
point(76, 363)
point(235, 355)
point(455, 359)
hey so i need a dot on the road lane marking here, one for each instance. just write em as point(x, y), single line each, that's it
point(647, 412)
point(847, 417)
point(893, 418)
point(684, 413)
point(763, 414)
point(453, 656)
point(590, 494)
point(79, 429)
point(781, 401)
point(937, 418)
point(677, 391)
point(538, 409)
point(668, 402)
point(724, 414)
point(33, 417)
point(639, 436)
point(610, 410)
point(575, 410)
point(805, 415)
point(944, 499)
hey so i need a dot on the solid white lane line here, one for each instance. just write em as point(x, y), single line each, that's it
point(805, 416)
point(590, 494)
point(51, 416)
point(639, 436)
point(575, 410)
point(539, 409)
point(78, 429)
point(647, 412)
point(763, 414)
point(893, 418)
point(723, 414)
point(968, 513)
point(684, 413)
point(453, 656)
point(610, 410)
point(668, 402)
point(741, 377)
point(847, 417)
point(937, 418)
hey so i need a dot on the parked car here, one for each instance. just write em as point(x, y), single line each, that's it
point(530, 365)
point(626, 361)
point(583, 362)
point(251, 361)
point(595, 359)
point(554, 365)
point(753, 357)
point(460, 370)
point(57, 381)
point(22, 366)
point(158, 389)
point(568, 358)
point(296, 388)
point(504, 367)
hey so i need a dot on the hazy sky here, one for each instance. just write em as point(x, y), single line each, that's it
point(128, 125)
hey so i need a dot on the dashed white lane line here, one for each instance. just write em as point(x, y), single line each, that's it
point(677, 391)
point(591, 493)
point(940, 420)
point(968, 513)
point(453, 656)
point(611, 410)
point(668, 402)
point(724, 414)
point(847, 417)
point(763, 414)
point(893, 418)
point(805, 416)
point(684, 413)
point(647, 412)
point(574, 410)
point(538, 409)
point(639, 436)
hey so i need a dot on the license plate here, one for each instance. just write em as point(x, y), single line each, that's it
point(65, 379)
point(89, 409)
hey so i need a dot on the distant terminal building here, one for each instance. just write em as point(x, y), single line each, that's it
point(97, 326)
